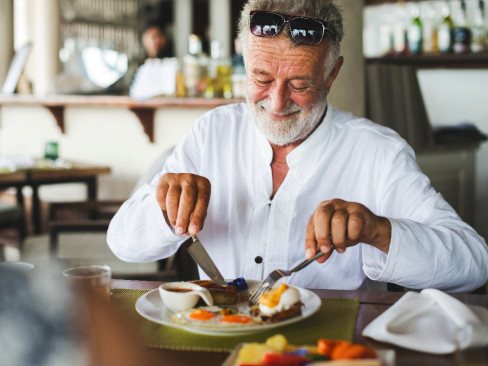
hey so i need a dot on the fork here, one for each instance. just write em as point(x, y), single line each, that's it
point(278, 274)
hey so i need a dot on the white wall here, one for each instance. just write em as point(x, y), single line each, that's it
point(348, 90)
point(111, 136)
point(454, 96)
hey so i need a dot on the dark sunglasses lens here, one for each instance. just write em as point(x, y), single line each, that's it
point(266, 24)
point(307, 31)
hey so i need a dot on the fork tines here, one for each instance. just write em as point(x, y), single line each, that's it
point(264, 286)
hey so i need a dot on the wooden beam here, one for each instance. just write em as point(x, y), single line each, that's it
point(146, 118)
point(58, 113)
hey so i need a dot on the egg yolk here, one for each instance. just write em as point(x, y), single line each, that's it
point(201, 315)
point(235, 319)
point(271, 298)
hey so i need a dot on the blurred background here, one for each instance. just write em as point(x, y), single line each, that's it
point(116, 83)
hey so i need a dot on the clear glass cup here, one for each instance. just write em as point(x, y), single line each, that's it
point(95, 278)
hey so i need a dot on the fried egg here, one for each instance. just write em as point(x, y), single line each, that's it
point(278, 299)
point(212, 317)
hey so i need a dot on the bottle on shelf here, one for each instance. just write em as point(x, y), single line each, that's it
point(478, 29)
point(400, 29)
point(386, 31)
point(415, 32)
point(195, 68)
point(238, 71)
point(180, 89)
point(444, 33)
point(430, 29)
point(219, 83)
point(461, 33)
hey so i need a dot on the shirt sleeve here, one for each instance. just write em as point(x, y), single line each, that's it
point(430, 245)
point(138, 232)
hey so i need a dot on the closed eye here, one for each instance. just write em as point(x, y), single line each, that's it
point(263, 82)
point(299, 86)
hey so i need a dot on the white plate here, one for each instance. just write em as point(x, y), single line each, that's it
point(151, 307)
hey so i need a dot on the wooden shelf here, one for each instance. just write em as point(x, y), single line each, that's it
point(144, 110)
point(454, 61)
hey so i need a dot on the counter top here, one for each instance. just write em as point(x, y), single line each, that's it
point(143, 109)
point(113, 101)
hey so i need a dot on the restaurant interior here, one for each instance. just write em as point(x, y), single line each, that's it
point(83, 125)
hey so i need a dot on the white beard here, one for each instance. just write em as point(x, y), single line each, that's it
point(284, 132)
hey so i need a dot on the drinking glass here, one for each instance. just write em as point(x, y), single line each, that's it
point(94, 278)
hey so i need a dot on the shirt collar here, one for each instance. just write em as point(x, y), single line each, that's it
point(302, 151)
point(308, 147)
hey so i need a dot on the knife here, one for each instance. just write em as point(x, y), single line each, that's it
point(201, 257)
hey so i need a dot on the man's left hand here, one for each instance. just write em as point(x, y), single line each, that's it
point(337, 224)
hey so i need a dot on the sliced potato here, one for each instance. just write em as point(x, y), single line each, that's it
point(277, 343)
point(252, 353)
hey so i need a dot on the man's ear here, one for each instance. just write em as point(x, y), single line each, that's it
point(334, 72)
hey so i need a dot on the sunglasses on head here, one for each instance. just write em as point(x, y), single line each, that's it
point(303, 30)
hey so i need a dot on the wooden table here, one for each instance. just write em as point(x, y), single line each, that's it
point(36, 176)
point(371, 305)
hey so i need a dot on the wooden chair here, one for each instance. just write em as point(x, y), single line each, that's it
point(96, 216)
point(12, 216)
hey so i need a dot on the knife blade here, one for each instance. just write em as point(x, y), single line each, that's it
point(201, 257)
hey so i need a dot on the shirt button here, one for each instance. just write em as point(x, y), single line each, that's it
point(258, 259)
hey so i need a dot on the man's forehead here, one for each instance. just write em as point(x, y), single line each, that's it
point(273, 51)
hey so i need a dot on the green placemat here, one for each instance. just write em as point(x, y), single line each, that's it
point(335, 319)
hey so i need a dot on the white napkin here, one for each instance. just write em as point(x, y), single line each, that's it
point(431, 321)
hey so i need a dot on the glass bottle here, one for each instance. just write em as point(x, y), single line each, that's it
point(238, 71)
point(415, 31)
point(461, 33)
point(219, 74)
point(400, 28)
point(444, 34)
point(386, 31)
point(430, 29)
point(478, 29)
point(195, 68)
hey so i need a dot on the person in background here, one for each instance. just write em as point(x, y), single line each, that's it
point(290, 175)
point(151, 79)
point(156, 41)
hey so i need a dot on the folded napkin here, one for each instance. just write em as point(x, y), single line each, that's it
point(431, 321)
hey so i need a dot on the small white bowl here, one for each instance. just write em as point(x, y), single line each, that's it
point(180, 296)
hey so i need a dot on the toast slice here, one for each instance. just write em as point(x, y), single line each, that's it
point(222, 295)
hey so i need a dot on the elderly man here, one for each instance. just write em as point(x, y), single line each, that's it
point(290, 176)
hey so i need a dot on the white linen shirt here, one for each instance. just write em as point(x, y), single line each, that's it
point(345, 157)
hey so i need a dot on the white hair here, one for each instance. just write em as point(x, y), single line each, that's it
point(325, 10)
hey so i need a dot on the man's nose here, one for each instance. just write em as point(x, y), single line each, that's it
point(279, 98)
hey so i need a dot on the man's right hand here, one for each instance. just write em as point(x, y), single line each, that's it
point(184, 199)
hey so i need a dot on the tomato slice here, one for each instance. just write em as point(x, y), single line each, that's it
point(235, 318)
point(278, 359)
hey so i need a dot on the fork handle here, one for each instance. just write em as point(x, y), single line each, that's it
point(306, 262)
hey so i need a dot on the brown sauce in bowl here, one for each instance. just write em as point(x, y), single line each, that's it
point(176, 289)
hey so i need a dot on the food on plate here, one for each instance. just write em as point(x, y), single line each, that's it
point(240, 283)
point(279, 303)
point(231, 307)
point(343, 350)
point(222, 295)
point(277, 351)
point(213, 316)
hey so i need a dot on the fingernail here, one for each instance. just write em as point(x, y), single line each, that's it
point(179, 230)
point(193, 229)
point(340, 250)
point(309, 253)
point(324, 249)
